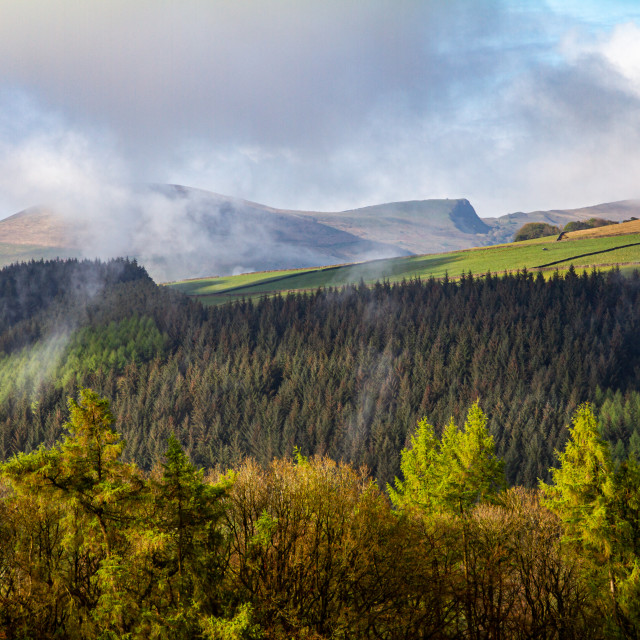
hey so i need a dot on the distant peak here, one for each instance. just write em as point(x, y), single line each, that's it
point(464, 216)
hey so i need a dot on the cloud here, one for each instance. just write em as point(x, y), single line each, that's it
point(319, 105)
point(176, 233)
point(577, 124)
point(300, 84)
point(620, 49)
point(271, 72)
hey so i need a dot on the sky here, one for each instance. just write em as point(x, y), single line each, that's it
point(516, 105)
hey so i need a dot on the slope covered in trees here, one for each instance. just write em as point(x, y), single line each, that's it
point(344, 373)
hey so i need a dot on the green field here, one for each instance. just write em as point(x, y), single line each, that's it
point(11, 253)
point(541, 254)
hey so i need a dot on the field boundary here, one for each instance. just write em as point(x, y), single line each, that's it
point(586, 255)
point(250, 285)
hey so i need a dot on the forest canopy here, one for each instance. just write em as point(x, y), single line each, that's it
point(345, 373)
point(247, 501)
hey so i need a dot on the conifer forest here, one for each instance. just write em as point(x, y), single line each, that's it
point(427, 459)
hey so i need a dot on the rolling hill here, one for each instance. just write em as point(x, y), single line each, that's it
point(504, 227)
point(37, 226)
point(419, 226)
point(603, 248)
point(179, 232)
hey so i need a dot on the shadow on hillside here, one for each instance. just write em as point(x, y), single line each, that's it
point(386, 269)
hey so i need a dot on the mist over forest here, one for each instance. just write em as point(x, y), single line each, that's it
point(295, 385)
point(271, 364)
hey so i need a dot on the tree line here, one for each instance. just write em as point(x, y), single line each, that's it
point(532, 230)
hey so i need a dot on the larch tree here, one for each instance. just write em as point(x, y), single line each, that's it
point(95, 494)
point(599, 507)
point(450, 475)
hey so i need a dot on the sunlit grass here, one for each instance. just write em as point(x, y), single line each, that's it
point(532, 255)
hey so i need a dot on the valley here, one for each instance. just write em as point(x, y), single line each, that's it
point(320, 320)
point(402, 419)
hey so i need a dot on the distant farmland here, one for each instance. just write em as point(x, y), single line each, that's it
point(602, 248)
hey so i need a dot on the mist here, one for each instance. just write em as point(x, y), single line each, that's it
point(516, 106)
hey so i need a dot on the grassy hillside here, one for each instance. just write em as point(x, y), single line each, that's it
point(504, 227)
point(39, 227)
point(596, 248)
point(625, 228)
point(417, 226)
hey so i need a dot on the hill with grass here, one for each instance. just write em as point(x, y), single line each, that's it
point(614, 246)
point(179, 232)
point(503, 228)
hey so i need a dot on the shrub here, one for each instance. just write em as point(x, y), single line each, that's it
point(535, 230)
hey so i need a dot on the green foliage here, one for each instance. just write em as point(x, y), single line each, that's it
point(93, 493)
point(238, 628)
point(118, 554)
point(619, 418)
point(69, 359)
point(91, 547)
point(186, 513)
point(84, 469)
point(533, 230)
point(583, 486)
point(591, 223)
point(600, 509)
point(346, 373)
point(451, 475)
point(26, 370)
point(110, 347)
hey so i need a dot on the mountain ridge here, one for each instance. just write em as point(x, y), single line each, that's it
point(183, 232)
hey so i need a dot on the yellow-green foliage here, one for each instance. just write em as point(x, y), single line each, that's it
point(599, 506)
point(67, 357)
point(117, 554)
point(91, 547)
point(583, 484)
point(452, 474)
